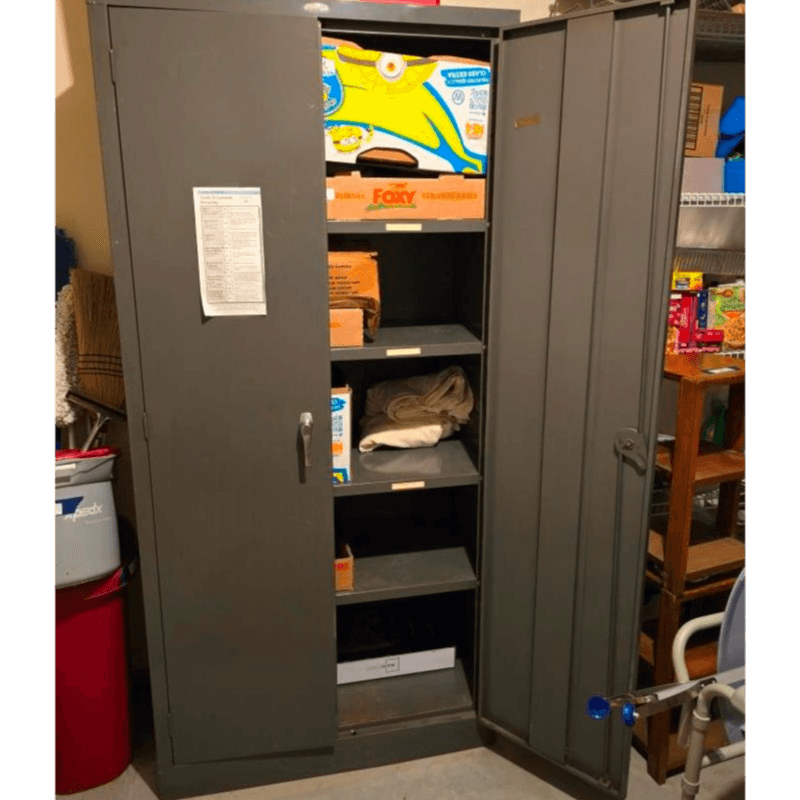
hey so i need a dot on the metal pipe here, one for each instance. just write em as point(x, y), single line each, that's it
point(700, 722)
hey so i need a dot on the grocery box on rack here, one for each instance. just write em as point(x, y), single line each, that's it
point(341, 424)
point(426, 112)
point(702, 124)
point(344, 569)
point(446, 197)
point(687, 281)
point(726, 311)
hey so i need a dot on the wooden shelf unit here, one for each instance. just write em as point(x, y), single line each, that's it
point(684, 566)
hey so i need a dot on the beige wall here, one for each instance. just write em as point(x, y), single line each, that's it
point(80, 196)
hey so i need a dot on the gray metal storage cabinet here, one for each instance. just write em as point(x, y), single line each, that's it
point(554, 306)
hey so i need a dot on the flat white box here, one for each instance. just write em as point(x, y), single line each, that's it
point(369, 669)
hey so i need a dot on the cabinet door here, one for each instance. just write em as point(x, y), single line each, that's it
point(244, 532)
point(588, 141)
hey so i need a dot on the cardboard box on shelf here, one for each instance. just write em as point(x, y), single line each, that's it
point(703, 175)
point(344, 569)
point(353, 283)
point(347, 327)
point(687, 281)
point(726, 311)
point(447, 197)
point(341, 424)
point(426, 112)
point(702, 125)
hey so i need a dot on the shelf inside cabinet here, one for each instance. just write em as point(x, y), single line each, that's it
point(714, 557)
point(713, 221)
point(701, 659)
point(446, 464)
point(396, 575)
point(714, 464)
point(408, 226)
point(403, 697)
point(413, 340)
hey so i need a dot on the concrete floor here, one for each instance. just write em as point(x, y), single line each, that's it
point(479, 774)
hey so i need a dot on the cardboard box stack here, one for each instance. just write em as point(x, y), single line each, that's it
point(353, 296)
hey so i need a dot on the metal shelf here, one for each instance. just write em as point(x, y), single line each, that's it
point(397, 575)
point(446, 464)
point(712, 200)
point(408, 226)
point(417, 340)
point(712, 262)
point(719, 36)
point(711, 221)
point(403, 697)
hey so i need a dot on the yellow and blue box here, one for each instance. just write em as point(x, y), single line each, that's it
point(341, 422)
point(431, 113)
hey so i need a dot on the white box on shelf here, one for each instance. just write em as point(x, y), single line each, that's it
point(369, 669)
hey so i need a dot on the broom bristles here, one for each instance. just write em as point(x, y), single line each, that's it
point(99, 353)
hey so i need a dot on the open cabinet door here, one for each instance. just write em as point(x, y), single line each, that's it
point(243, 531)
point(588, 142)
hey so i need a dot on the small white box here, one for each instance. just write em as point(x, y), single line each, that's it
point(369, 669)
point(703, 175)
point(341, 421)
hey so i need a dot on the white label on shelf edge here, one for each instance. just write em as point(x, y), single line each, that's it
point(399, 487)
point(403, 226)
point(404, 351)
point(330, 192)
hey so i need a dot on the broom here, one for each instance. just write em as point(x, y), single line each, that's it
point(99, 355)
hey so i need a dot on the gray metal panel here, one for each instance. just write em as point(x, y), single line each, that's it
point(640, 192)
point(526, 165)
point(339, 10)
point(580, 180)
point(244, 545)
point(134, 398)
point(618, 184)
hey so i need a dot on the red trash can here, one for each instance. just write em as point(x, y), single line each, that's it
point(93, 740)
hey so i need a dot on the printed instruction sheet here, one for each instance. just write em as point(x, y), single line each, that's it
point(230, 251)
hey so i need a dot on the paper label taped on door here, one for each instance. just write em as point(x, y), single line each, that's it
point(230, 251)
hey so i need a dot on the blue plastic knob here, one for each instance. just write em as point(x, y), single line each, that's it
point(597, 707)
point(629, 714)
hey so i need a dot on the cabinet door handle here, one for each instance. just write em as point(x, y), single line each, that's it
point(306, 427)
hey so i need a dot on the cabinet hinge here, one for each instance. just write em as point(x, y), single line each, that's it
point(111, 62)
point(144, 426)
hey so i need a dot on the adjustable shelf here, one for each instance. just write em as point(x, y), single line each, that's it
point(425, 572)
point(706, 559)
point(414, 340)
point(403, 697)
point(710, 262)
point(719, 36)
point(714, 464)
point(711, 221)
point(712, 200)
point(408, 226)
point(446, 464)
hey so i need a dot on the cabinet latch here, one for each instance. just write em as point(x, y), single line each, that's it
point(631, 445)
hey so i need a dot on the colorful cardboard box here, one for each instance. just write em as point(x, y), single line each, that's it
point(426, 112)
point(341, 425)
point(726, 311)
point(687, 281)
point(447, 197)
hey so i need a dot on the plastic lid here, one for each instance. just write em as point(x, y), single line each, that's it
point(98, 452)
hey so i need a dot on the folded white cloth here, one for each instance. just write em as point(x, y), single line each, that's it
point(416, 412)
point(66, 356)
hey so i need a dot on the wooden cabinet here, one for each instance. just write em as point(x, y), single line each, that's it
point(527, 531)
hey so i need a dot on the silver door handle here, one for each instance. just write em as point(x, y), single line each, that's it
point(306, 427)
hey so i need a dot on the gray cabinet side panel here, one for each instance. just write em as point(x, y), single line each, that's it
point(583, 137)
point(134, 400)
point(640, 196)
point(526, 166)
point(244, 538)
